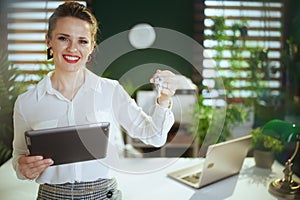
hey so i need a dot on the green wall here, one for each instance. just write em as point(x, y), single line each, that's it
point(292, 25)
point(118, 16)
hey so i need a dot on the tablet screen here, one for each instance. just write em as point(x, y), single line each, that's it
point(70, 144)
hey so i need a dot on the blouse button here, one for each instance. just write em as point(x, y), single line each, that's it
point(109, 194)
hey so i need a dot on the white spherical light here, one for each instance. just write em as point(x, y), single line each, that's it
point(142, 36)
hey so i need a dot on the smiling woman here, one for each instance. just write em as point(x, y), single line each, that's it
point(71, 43)
point(26, 27)
point(73, 95)
point(71, 39)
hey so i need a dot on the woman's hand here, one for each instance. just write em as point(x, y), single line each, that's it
point(168, 85)
point(32, 166)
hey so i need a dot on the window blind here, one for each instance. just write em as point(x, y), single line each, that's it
point(252, 32)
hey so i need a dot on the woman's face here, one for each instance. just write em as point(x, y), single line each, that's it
point(71, 43)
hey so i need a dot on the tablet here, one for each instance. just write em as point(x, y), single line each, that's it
point(70, 144)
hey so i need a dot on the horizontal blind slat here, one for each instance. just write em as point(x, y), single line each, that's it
point(27, 20)
point(25, 31)
point(271, 19)
point(26, 51)
point(248, 38)
point(26, 41)
point(245, 7)
point(34, 62)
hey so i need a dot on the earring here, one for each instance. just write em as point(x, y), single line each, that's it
point(49, 53)
point(89, 58)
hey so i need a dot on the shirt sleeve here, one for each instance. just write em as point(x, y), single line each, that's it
point(152, 129)
point(19, 145)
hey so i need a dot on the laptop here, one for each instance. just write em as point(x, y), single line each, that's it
point(222, 160)
point(70, 144)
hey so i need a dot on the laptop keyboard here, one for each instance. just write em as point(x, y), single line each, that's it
point(193, 178)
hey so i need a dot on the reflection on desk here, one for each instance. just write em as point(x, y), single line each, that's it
point(251, 183)
point(152, 182)
point(221, 190)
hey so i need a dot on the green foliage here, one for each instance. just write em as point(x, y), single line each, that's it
point(236, 114)
point(9, 90)
point(202, 116)
point(264, 142)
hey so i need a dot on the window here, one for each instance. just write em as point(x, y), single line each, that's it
point(251, 37)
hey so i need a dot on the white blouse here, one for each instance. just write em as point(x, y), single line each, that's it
point(98, 99)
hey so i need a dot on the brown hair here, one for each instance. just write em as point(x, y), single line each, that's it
point(77, 10)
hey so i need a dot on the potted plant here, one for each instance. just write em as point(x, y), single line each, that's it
point(264, 148)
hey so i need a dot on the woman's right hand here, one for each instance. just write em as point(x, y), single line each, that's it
point(32, 166)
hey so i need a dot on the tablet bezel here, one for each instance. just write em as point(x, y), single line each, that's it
point(70, 144)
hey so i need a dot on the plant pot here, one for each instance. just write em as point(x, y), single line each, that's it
point(263, 159)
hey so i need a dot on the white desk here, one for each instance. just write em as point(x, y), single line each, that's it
point(150, 182)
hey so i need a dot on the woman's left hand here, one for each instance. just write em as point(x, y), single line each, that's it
point(169, 85)
point(169, 82)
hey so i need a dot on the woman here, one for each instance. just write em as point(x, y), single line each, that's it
point(73, 95)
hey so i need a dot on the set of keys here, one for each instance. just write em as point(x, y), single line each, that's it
point(159, 81)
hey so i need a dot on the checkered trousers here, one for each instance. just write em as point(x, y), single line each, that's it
point(95, 190)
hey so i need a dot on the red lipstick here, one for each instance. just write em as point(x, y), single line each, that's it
point(71, 58)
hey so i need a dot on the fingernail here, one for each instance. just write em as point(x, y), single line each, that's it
point(50, 161)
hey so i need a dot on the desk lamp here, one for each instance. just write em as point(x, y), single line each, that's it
point(284, 131)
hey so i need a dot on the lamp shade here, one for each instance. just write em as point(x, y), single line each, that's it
point(282, 130)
